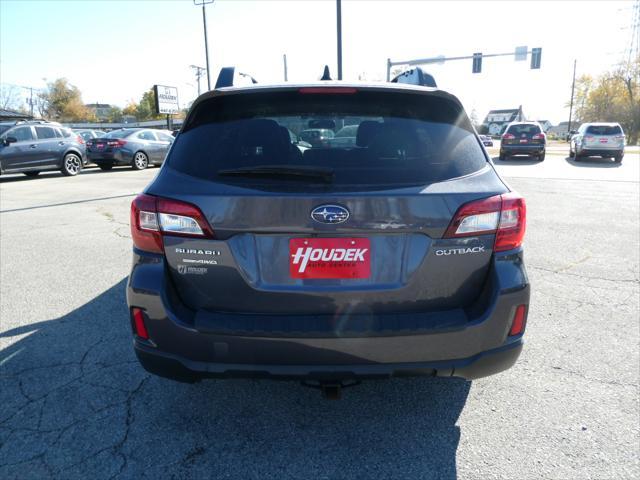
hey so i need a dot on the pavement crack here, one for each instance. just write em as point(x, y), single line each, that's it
point(587, 277)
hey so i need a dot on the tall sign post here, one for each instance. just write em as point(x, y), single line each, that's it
point(166, 101)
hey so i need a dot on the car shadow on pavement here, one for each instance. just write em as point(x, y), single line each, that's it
point(516, 161)
point(593, 162)
point(76, 404)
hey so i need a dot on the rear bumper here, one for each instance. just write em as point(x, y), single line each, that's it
point(601, 152)
point(182, 369)
point(109, 158)
point(522, 149)
point(184, 347)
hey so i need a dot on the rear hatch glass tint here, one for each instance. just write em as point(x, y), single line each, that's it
point(525, 129)
point(400, 139)
point(604, 130)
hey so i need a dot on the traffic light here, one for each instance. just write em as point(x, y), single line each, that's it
point(536, 55)
point(477, 63)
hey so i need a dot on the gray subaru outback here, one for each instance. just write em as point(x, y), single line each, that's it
point(254, 256)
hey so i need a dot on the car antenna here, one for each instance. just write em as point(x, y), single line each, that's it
point(326, 75)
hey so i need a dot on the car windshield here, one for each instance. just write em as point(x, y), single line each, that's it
point(604, 130)
point(396, 142)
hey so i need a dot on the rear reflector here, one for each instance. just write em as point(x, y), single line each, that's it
point(138, 323)
point(504, 215)
point(153, 217)
point(339, 90)
point(519, 320)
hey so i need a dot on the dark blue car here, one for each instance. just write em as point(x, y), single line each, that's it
point(134, 147)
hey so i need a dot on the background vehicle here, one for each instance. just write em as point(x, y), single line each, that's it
point(487, 141)
point(317, 137)
point(136, 147)
point(345, 137)
point(36, 146)
point(89, 134)
point(604, 140)
point(523, 138)
point(240, 242)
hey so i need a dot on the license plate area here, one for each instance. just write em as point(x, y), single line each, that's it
point(330, 258)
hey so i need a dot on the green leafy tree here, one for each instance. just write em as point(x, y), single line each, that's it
point(115, 114)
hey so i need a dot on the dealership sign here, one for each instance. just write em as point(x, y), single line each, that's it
point(166, 99)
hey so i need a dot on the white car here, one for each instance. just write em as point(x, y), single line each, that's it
point(604, 140)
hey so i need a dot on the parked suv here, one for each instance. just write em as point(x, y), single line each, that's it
point(523, 138)
point(604, 140)
point(36, 146)
point(399, 256)
point(135, 147)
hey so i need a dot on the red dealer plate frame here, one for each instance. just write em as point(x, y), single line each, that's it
point(329, 258)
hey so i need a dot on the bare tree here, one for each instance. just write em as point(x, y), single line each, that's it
point(10, 97)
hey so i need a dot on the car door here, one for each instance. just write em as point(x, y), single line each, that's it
point(164, 143)
point(48, 146)
point(150, 142)
point(21, 154)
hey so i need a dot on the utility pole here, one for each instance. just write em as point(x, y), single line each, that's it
point(206, 43)
point(339, 27)
point(573, 87)
point(199, 73)
point(284, 59)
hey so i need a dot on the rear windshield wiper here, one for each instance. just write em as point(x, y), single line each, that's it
point(276, 171)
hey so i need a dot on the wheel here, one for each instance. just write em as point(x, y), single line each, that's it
point(502, 157)
point(541, 156)
point(618, 158)
point(572, 154)
point(31, 174)
point(71, 165)
point(105, 166)
point(140, 161)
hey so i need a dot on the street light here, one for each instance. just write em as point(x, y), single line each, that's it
point(206, 44)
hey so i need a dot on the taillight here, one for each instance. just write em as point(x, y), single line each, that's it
point(80, 139)
point(151, 217)
point(519, 320)
point(619, 137)
point(505, 215)
point(589, 138)
point(116, 143)
point(138, 323)
point(508, 136)
point(538, 136)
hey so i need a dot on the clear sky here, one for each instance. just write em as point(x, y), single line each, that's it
point(115, 50)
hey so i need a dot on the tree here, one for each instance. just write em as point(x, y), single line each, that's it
point(115, 115)
point(611, 97)
point(10, 97)
point(63, 102)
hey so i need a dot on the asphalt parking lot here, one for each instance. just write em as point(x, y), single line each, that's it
point(75, 403)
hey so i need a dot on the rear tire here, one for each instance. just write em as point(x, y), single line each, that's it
point(31, 174)
point(140, 161)
point(502, 157)
point(105, 167)
point(71, 165)
point(572, 154)
point(618, 158)
point(541, 156)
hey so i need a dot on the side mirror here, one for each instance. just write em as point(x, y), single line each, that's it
point(7, 141)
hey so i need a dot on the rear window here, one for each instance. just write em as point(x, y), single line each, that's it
point(527, 129)
point(118, 134)
point(604, 130)
point(401, 139)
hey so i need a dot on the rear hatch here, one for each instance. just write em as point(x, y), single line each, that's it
point(603, 137)
point(319, 231)
point(109, 143)
point(523, 134)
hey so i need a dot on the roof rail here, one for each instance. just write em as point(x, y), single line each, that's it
point(226, 75)
point(416, 76)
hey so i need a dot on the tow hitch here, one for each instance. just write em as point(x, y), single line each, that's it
point(331, 390)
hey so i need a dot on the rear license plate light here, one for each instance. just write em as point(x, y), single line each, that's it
point(329, 258)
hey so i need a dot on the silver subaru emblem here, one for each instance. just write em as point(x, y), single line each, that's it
point(330, 214)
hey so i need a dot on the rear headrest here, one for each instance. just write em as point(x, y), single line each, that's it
point(366, 131)
point(260, 132)
point(393, 138)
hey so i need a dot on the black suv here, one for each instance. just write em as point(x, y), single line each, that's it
point(35, 146)
point(523, 138)
point(398, 255)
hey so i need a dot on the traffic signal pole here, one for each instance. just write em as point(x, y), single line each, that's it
point(476, 57)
